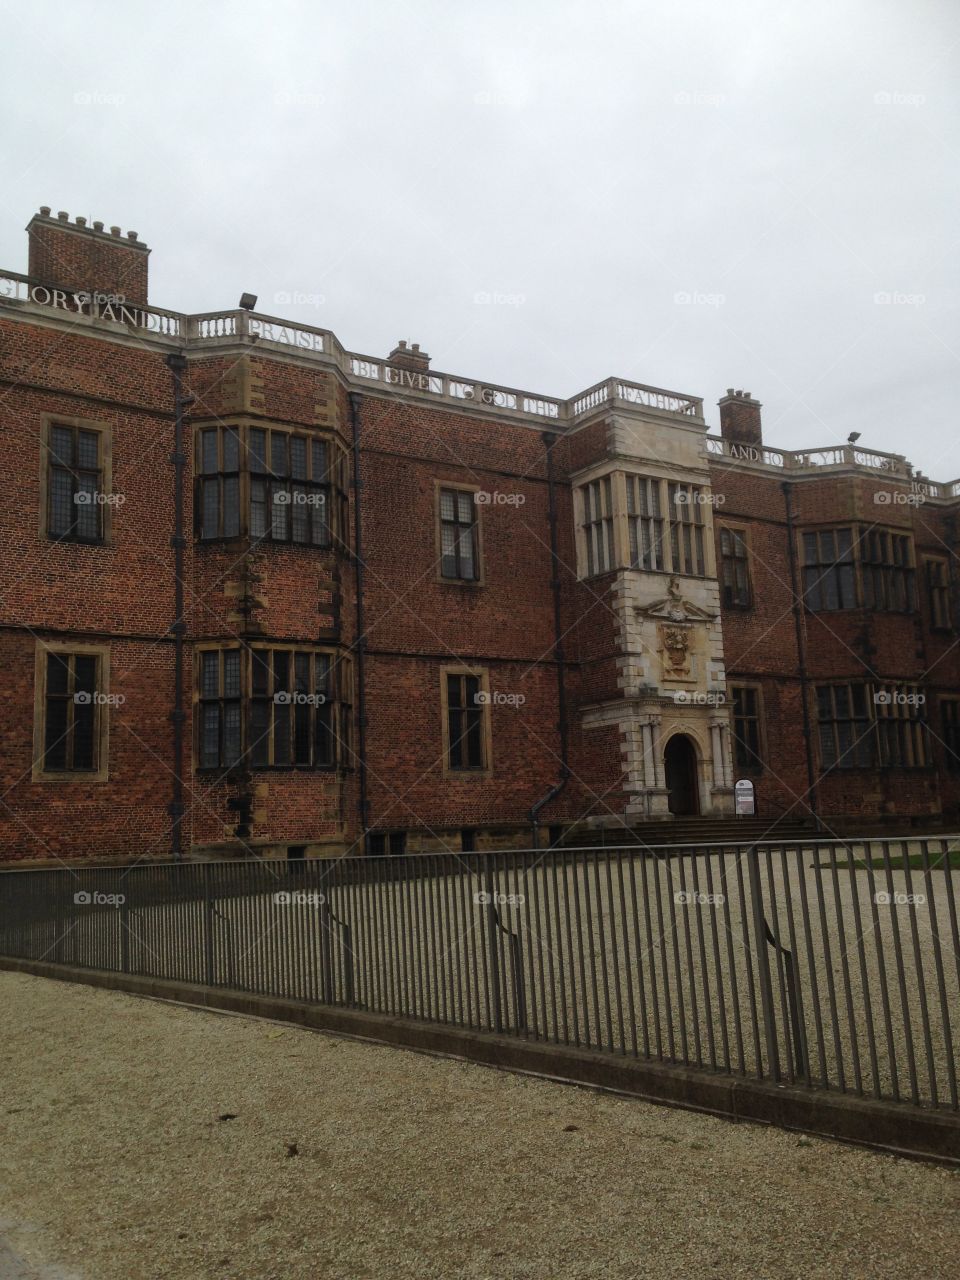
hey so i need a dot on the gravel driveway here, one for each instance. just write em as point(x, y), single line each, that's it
point(142, 1140)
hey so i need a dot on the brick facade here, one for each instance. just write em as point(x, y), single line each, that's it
point(648, 653)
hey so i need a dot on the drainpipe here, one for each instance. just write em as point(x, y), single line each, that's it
point(360, 644)
point(549, 439)
point(801, 650)
point(177, 365)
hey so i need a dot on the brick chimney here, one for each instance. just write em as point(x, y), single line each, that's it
point(405, 357)
point(740, 418)
point(75, 257)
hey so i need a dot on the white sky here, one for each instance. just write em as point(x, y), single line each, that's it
point(584, 167)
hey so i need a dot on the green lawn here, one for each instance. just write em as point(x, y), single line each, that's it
point(915, 863)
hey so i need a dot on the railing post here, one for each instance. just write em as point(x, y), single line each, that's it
point(326, 953)
point(763, 963)
point(124, 936)
point(208, 904)
point(493, 944)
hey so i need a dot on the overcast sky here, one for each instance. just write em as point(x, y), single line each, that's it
point(693, 195)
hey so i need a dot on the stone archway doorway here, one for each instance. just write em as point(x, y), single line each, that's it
point(680, 771)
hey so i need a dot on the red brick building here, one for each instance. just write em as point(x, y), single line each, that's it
point(263, 594)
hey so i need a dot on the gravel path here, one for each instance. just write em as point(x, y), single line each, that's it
point(118, 1163)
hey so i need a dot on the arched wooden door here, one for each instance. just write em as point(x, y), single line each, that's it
point(680, 770)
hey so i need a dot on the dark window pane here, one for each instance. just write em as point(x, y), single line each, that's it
point(231, 733)
point(88, 509)
point(63, 510)
point(280, 518)
point(88, 449)
point(453, 691)
point(260, 732)
point(298, 457)
point(210, 519)
point(85, 673)
point(281, 670)
point(322, 678)
point(261, 673)
point(58, 674)
point(210, 736)
point(84, 716)
point(325, 744)
point(231, 506)
point(475, 739)
point(258, 508)
point(321, 527)
point(208, 451)
point(278, 453)
point(455, 731)
point(319, 460)
point(61, 445)
point(301, 733)
point(210, 675)
point(257, 446)
point(231, 673)
point(300, 518)
point(281, 733)
point(55, 738)
point(231, 449)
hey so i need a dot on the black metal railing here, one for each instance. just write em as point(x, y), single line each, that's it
point(832, 965)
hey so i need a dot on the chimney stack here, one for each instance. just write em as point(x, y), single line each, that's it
point(405, 357)
point(740, 418)
point(78, 258)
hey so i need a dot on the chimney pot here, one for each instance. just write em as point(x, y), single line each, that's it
point(410, 357)
point(740, 418)
point(60, 258)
